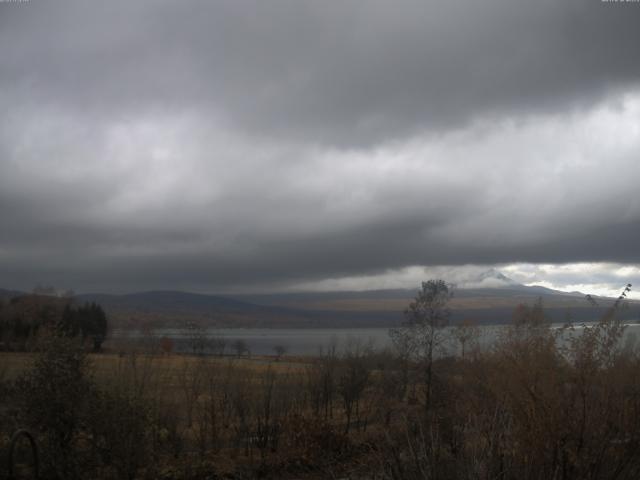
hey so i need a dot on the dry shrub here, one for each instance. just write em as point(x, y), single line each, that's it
point(543, 403)
point(314, 439)
point(54, 397)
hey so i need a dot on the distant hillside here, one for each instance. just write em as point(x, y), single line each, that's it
point(171, 308)
point(484, 305)
point(340, 309)
point(464, 298)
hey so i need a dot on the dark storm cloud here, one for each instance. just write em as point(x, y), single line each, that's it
point(329, 72)
point(215, 145)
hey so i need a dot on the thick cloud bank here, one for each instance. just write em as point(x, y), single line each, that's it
point(235, 145)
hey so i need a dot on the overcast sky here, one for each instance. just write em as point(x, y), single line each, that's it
point(222, 146)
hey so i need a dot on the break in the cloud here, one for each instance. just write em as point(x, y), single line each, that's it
point(251, 145)
point(604, 279)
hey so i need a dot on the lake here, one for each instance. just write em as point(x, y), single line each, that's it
point(301, 341)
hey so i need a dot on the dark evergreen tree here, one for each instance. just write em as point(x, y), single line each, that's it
point(88, 320)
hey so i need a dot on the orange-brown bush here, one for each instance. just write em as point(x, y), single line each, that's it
point(543, 403)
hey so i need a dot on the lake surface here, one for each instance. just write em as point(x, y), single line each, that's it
point(302, 341)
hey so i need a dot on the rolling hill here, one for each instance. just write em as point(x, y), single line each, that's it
point(484, 305)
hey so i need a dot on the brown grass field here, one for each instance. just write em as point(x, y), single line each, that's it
point(103, 365)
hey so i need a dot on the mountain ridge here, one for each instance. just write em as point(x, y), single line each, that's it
point(382, 307)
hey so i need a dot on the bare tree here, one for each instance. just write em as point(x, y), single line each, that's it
point(191, 377)
point(218, 345)
point(240, 347)
point(197, 337)
point(353, 380)
point(421, 334)
point(280, 350)
point(321, 382)
point(464, 334)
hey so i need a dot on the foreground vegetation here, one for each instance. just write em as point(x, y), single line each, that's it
point(530, 407)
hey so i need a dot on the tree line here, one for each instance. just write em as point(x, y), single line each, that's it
point(24, 318)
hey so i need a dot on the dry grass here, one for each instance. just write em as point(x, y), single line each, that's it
point(13, 364)
point(16, 362)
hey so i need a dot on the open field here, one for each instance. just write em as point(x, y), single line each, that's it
point(206, 409)
point(12, 364)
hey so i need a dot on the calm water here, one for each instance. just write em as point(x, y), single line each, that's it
point(301, 341)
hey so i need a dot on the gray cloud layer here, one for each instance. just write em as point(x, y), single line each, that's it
point(213, 145)
point(335, 73)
